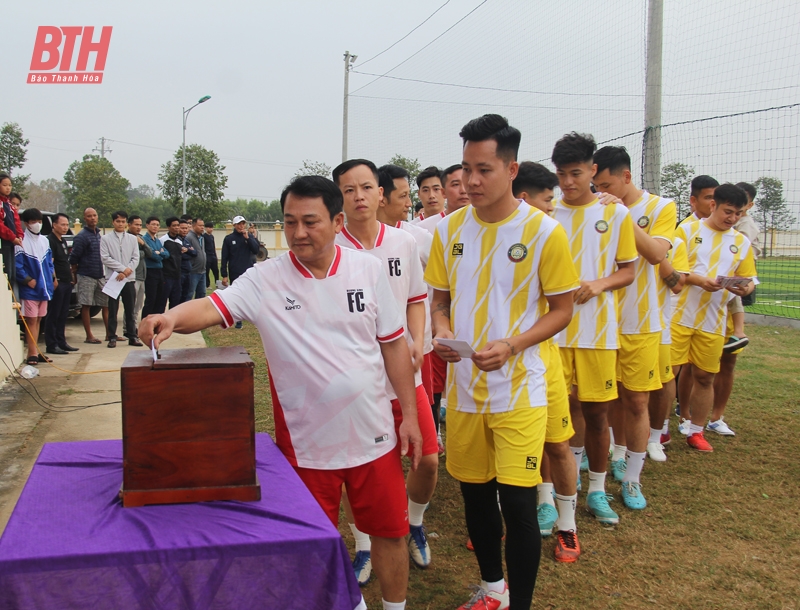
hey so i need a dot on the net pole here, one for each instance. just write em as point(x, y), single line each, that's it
point(651, 161)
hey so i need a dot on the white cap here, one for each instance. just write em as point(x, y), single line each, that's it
point(238, 219)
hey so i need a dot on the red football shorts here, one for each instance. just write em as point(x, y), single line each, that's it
point(427, 375)
point(427, 427)
point(439, 373)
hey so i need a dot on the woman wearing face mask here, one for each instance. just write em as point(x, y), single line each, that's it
point(35, 277)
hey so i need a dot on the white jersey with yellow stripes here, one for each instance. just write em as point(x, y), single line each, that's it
point(711, 253)
point(693, 217)
point(600, 236)
point(640, 310)
point(677, 257)
point(498, 275)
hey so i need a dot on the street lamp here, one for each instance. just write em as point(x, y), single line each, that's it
point(205, 98)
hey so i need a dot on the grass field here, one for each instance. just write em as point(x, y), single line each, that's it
point(778, 294)
point(721, 531)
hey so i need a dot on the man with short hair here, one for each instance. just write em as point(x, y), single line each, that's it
point(173, 245)
point(187, 258)
point(212, 266)
point(58, 308)
point(517, 293)
point(154, 262)
point(87, 265)
point(119, 251)
point(135, 229)
point(339, 430)
point(455, 192)
point(701, 198)
point(714, 249)
point(535, 185)
point(194, 240)
point(238, 252)
point(429, 185)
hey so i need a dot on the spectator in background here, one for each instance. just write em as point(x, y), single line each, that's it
point(58, 310)
point(87, 265)
point(194, 240)
point(135, 229)
point(238, 249)
point(173, 244)
point(11, 229)
point(189, 253)
point(36, 279)
point(154, 263)
point(119, 252)
point(212, 266)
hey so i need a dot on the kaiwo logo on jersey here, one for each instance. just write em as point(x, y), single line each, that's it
point(54, 49)
point(291, 306)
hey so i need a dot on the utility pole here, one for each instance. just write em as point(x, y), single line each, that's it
point(651, 161)
point(102, 150)
point(348, 65)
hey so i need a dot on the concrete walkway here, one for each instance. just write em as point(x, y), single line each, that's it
point(25, 426)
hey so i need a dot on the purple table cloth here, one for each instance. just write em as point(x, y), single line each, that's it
point(70, 544)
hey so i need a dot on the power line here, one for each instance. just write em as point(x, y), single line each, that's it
point(423, 48)
point(407, 35)
point(257, 161)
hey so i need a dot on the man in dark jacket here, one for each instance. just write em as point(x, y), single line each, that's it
point(187, 258)
point(135, 229)
point(210, 246)
point(58, 309)
point(86, 263)
point(238, 250)
point(172, 266)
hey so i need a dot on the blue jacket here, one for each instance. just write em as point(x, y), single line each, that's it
point(86, 253)
point(153, 260)
point(35, 261)
point(237, 254)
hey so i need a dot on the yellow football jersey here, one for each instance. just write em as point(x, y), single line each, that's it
point(676, 256)
point(498, 275)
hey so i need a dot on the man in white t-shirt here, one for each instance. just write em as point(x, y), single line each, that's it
point(332, 335)
point(397, 250)
point(429, 185)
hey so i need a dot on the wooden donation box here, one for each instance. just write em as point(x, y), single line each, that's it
point(188, 427)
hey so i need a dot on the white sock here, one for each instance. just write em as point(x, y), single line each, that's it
point(545, 492)
point(694, 429)
point(597, 481)
point(415, 512)
point(634, 462)
point(393, 605)
point(497, 587)
point(611, 435)
point(566, 513)
point(577, 453)
point(619, 453)
point(665, 429)
point(363, 543)
point(655, 435)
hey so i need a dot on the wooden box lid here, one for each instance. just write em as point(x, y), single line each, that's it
point(197, 358)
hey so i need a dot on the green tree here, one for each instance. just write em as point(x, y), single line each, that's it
point(274, 212)
point(13, 155)
point(413, 168)
point(676, 183)
point(46, 195)
point(143, 191)
point(95, 183)
point(313, 168)
point(771, 211)
point(150, 206)
point(205, 183)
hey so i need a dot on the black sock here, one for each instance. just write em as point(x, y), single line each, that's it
point(523, 542)
point(485, 527)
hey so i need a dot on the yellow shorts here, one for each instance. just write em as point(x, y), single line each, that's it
point(593, 371)
point(729, 329)
point(701, 348)
point(559, 422)
point(637, 364)
point(665, 363)
point(507, 446)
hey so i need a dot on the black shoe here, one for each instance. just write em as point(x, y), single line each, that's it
point(135, 343)
point(67, 347)
point(112, 343)
point(56, 350)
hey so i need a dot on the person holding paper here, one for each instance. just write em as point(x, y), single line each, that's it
point(714, 248)
point(503, 282)
point(119, 251)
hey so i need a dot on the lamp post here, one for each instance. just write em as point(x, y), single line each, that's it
point(205, 98)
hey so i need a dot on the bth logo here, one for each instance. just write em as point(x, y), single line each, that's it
point(54, 49)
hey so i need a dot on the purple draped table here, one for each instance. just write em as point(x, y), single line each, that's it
point(70, 544)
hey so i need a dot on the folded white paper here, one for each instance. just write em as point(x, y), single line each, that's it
point(462, 348)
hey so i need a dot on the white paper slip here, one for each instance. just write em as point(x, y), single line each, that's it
point(153, 347)
point(462, 348)
point(113, 287)
point(733, 282)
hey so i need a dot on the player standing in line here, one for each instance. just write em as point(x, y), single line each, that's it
point(535, 185)
point(429, 185)
point(654, 219)
point(330, 327)
point(714, 248)
point(359, 182)
point(603, 250)
point(496, 267)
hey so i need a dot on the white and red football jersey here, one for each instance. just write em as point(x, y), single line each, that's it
point(424, 240)
point(429, 223)
point(397, 251)
point(321, 339)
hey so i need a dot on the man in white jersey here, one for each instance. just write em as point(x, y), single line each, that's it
point(359, 182)
point(332, 335)
point(503, 284)
point(654, 220)
point(535, 185)
point(429, 191)
point(603, 251)
point(714, 249)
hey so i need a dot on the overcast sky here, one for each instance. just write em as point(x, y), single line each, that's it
point(274, 71)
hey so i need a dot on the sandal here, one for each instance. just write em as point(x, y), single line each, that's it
point(92, 340)
point(43, 358)
point(32, 360)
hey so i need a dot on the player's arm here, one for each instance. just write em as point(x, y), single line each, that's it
point(623, 276)
point(496, 353)
point(709, 284)
point(652, 249)
point(440, 325)
point(186, 318)
point(397, 362)
point(674, 280)
point(415, 315)
point(746, 268)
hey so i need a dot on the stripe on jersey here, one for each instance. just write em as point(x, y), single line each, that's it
point(227, 318)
